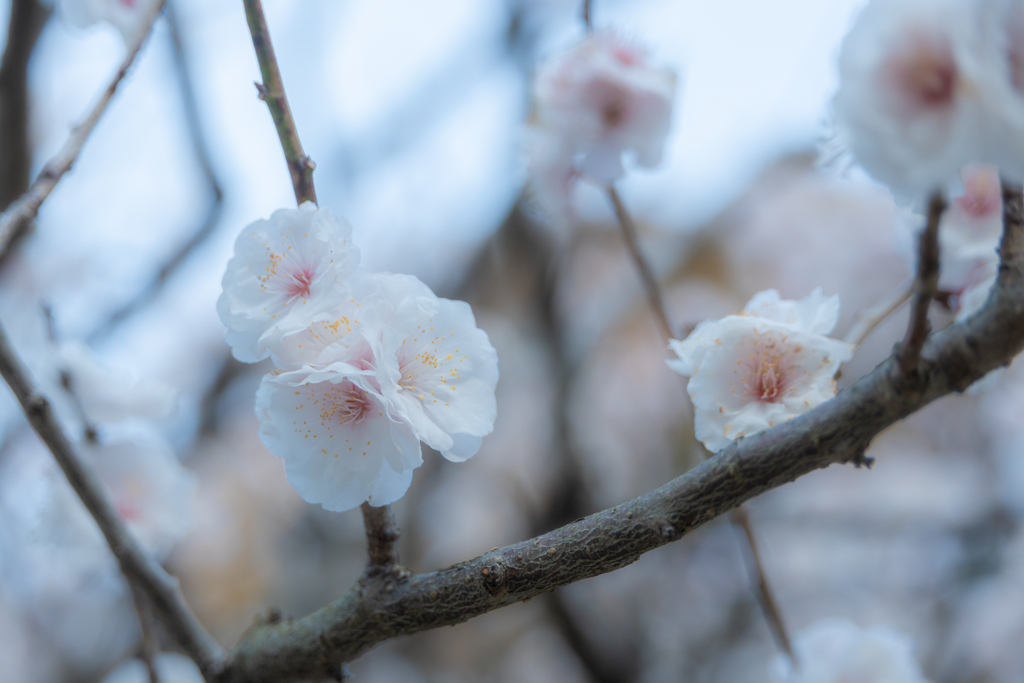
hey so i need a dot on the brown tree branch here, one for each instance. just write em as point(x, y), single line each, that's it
point(382, 535)
point(26, 207)
point(139, 568)
point(271, 91)
point(925, 286)
point(651, 287)
point(837, 431)
point(26, 23)
point(150, 641)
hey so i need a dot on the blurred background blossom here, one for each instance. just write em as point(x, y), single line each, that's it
point(414, 113)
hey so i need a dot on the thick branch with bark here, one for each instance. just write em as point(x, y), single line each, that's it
point(838, 431)
point(381, 537)
point(271, 91)
point(20, 212)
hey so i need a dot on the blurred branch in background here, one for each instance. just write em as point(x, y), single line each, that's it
point(202, 154)
point(139, 569)
point(18, 215)
point(26, 23)
point(925, 286)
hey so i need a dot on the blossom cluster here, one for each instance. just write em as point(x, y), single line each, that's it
point(367, 365)
point(126, 16)
point(930, 86)
point(760, 367)
point(598, 101)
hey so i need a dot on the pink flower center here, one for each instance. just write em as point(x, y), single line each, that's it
point(130, 4)
point(299, 282)
point(982, 197)
point(345, 404)
point(924, 73)
point(768, 380)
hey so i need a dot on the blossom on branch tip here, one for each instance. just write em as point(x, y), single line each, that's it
point(285, 271)
point(760, 367)
point(837, 651)
point(915, 92)
point(598, 101)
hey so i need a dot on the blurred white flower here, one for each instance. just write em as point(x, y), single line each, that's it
point(596, 102)
point(914, 87)
point(436, 367)
point(1004, 38)
point(124, 15)
point(150, 488)
point(170, 668)
point(837, 651)
point(761, 367)
point(108, 395)
point(285, 270)
point(341, 442)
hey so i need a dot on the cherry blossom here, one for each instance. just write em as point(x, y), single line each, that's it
point(436, 367)
point(596, 102)
point(837, 651)
point(365, 382)
point(285, 270)
point(341, 442)
point(760, 367)
point(915, 91)
point(124, 15)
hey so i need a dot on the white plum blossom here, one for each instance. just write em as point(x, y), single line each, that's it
point(124, 15)
point(285, 270)
point(837, 651)
point(149, 487)
point(760, 367)
point(365, 382)
point(437, 367)
point(598, 101)
point(109, 395)
point(916, 90)
point(1004, 37)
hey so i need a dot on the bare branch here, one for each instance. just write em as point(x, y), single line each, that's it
point(587, 21)
point(26, 23)
point(872, 317)
point(150, 641)
point(382, 535)
point(651, 287)
point(140, 569)
point(755, 567)
point(271, 91)
point(925, 286)
point(20, 212)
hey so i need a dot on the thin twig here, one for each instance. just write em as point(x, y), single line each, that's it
point(139, 568)
point(651, 287)
point(271, 91)
point(872, 317)
point(657, 304)
point(150, 641)
point(587, 21)
point(26, 207)
point(926, 284)
point(741, 521)
point(382, 536)
point(837, 431)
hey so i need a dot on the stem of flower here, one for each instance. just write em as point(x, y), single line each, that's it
point(925, 286)
point(872, 317)
point(382, 535)
point(738, 516)
point(271, 91)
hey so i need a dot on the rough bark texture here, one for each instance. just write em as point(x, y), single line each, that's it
point(838, 431)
